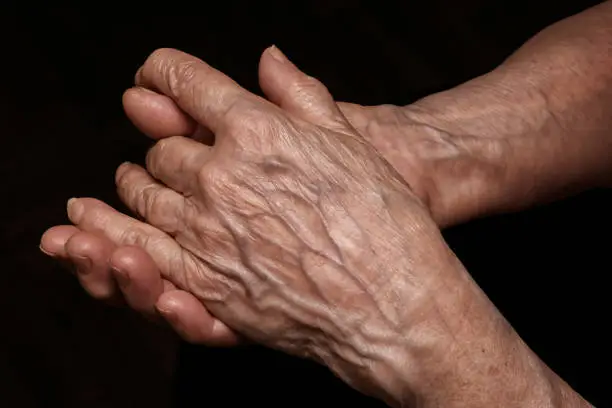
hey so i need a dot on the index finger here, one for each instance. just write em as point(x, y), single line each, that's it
point(200, 90)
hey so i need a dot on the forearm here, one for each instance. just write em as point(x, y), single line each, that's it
point(546, 112)
point(461, 352)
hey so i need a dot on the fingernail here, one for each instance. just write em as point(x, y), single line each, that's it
point(138, 76)
point(277, 54)
point(145, 90)
point(75, 210)
point(44, 251)
point(166, 313)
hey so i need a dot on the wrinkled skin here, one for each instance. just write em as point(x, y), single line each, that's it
point(445, 173)
point(295, 232)
point(353, 272)
point(292, 229)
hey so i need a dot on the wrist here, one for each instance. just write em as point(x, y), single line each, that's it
point(543, 127)
point(516, 150)
point(463, 353)
point(455, 173)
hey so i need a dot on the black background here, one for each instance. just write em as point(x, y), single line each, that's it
point(63, 133)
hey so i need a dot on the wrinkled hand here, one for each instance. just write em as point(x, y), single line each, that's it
point(291, 229)
point(445, 176)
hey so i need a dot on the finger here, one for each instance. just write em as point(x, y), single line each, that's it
point(294, 91)
point(138, 278)
point(190, 319)
point(176, 161)
point(92, 215)
point(53, 240)
point(158, 205)
point(53, 244)
point(158, 116)
point(201, 91)
point(90, 254)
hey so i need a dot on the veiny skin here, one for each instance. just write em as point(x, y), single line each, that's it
point(296, 233)
point(395, 316)
point(275, 220)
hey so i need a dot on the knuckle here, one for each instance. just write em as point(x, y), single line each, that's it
point(213, 179)
point(122, 177)
point(159, 54)
point(158, 154)
point(156, 62)
point(150, 205)
point(134, 235)
point(250, 126)
point(307, 84)
point(158, 208)
point(93, 213)
point(175, 68)
point(308, 90)
point(128, 186)
point(180, 76)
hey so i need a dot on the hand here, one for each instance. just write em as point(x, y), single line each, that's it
point(398, 133)
point(127, 275)
point(285, 228)
point(327, 254)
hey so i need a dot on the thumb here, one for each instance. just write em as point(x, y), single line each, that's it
point(295, 92)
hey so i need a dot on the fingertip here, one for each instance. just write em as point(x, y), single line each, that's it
point(53, 240)
point(190, 319)
point(99, 290)
point(168, 304)
point(277, 54)
point(156, 115)
point(85, 245)
point(223, 334)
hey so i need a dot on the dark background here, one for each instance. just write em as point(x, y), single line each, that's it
point(63, 133)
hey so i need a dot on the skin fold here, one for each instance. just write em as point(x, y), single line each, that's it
point(312, 226)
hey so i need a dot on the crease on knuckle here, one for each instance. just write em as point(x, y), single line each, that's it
point(94, 218)
point(140, 237)
point(159, 153)
point(121, 178)
point(150, 205)
point(161, 209)
point(181, 78)
point(307, 85)
point(155, 64)
point(308, 90)
point(125, 186)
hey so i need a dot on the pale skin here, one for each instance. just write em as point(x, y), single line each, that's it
point(313, 226)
